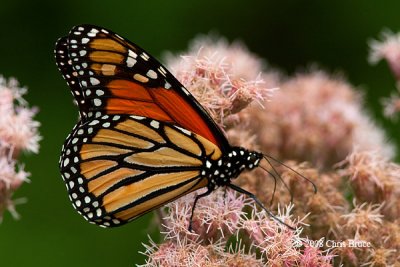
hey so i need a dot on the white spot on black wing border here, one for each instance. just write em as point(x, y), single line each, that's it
point(64, 64)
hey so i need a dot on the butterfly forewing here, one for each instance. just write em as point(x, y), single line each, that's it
point(118, 167)
point(118, 77)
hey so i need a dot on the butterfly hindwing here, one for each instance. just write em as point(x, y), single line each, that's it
point(118, 167)
point(118, 77)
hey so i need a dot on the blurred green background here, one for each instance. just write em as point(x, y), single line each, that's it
point(290, 35)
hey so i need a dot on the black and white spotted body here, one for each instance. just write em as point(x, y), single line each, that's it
point(220, 172)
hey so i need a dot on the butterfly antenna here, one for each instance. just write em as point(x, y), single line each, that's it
point(296, 172)
point(250, 195)
point(280, 177)
point(275, 180)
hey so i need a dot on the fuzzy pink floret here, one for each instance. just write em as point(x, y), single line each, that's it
point(18, 132)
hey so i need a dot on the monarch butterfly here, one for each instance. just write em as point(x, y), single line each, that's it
point(142, 139)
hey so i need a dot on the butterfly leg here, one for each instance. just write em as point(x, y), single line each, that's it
point(250, 195)
point(194, 206)
point(225, 192)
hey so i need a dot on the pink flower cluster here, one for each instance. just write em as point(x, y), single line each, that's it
point(315, 124)
point(18, 132)
point(225, 235)
point(389, 50)
point(315, 118)
point(224, 77)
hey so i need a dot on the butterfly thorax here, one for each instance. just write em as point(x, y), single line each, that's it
point(220, 172)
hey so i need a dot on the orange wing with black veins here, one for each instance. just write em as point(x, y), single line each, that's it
point(118, 77)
